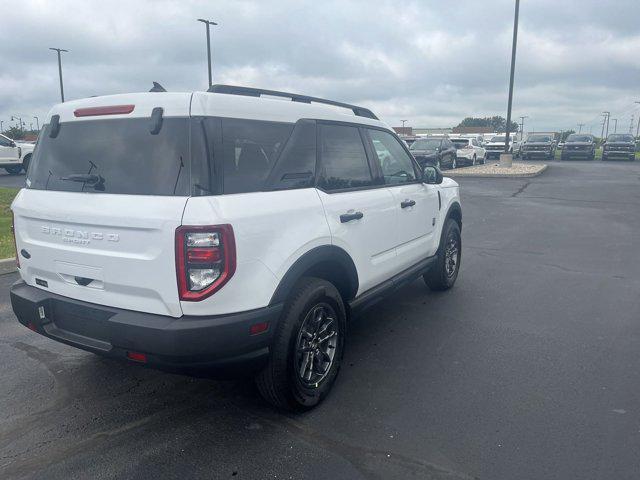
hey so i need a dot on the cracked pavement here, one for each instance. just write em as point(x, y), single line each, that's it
point(529, 368)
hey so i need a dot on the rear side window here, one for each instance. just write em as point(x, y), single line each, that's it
point(249, 151)
point(296, 165)
point(343, 158)
point(114, 156)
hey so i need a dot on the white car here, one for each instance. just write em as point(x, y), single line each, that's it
point(495, 146)
point(222, 230)
point(468, 150)
point(15, 155)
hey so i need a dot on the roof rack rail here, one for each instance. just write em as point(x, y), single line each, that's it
point(257, 92)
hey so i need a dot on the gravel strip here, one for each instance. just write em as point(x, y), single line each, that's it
point(494, 170)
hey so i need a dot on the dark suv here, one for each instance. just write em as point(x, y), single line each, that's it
point(437, 151)
point(619, 146)
point(580, 146)
point(542, 146)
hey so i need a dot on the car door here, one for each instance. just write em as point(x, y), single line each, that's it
point(360, 211)
point(8, 150)
point(417, 203)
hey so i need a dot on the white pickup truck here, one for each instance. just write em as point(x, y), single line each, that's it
point(15, 155)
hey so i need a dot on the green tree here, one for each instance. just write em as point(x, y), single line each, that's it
point(14, 133)
point(496, 123)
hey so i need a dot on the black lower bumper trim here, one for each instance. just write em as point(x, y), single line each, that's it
point(221, 343)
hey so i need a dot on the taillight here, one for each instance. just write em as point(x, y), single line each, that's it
point(15, 245)
point(205, 260)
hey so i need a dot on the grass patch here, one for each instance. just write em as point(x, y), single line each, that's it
point(6, 238)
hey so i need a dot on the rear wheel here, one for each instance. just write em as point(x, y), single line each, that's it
point(307, 347)
point(25, 163)
point(444, 272)
point(14, 169)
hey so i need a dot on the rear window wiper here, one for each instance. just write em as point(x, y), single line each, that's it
point(96, 181)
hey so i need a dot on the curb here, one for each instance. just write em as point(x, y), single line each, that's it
point(498, 175)
point(8, 265)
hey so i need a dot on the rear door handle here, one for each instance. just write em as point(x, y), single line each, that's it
point(347, 217)
point(407, 203)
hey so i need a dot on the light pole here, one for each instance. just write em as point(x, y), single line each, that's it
point(19, 119)
point(37, 123)
point(605, 121)
point(403, 122)
point(208, 23)
point(638, 128)
point(615, 125)
point(513, 70)
point(580, 125)
point(522, 127)
point(58, 50)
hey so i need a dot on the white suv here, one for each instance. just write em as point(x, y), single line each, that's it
point(224, 231)
point(469, 151)
point(14, 155)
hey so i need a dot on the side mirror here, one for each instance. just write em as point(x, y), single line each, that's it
point(12, 144)
point(432, 175)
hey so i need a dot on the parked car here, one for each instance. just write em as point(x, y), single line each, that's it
point(496, 146)
point(620, 146)
point(409, 139)
point(226, 231)
point(579, 145)
point(15, 155)
point(539, 146)
point(469, 151)
point(438, 151)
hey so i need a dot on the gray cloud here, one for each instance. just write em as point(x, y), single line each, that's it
point(432, 62)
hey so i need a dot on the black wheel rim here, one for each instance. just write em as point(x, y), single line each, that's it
point(316, 345)
point(452, 255)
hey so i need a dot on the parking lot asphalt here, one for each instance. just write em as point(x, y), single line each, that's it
point(528, 369)
point(12, 181)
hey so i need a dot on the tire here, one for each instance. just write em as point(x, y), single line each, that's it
point(440, 277)
point(280, 382)
point(484, 159)
point(25, 163)
point(14, 170)
point(473, 162)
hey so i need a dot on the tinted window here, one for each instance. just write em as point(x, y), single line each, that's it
point(460, 143)
point(120, 155)
point(4, 142)
point(296, 166)
point(578, 138)
point(425, 144)
point(620, 138)
point(395, 163)
point(249, 150)
point(344, 161)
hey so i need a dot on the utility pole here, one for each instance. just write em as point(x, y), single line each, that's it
point(605, 121)
point(37, 123)
point(208, 23)
point(513, 70)
point(522, 127)
point(580, 125)
point(58, 50)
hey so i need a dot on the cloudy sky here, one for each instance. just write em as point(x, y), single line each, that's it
point(432, 62)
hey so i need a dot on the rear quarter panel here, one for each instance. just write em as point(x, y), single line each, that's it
point(272, 230)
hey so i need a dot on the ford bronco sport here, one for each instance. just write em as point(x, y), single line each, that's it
point(229, 230)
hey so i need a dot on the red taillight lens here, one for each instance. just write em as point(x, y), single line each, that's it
point(109, 110)
point(137, 357)
point(15, 245)
point(205, 260)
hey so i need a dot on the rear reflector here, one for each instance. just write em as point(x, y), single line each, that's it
point(32, 326)
point(203, 255)
point(110, 110)
point(257, 328)
point(137, 357)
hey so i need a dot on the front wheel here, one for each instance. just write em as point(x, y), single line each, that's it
point(307, 347)
point(444, 272)
point(25, 163)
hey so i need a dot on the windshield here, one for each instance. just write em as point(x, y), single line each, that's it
point(114, 156)
point(499, 139)
point(539, 138)
point(578, 138)
point(425, 144)
point(620, 138)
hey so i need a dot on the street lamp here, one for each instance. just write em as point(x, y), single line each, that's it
point(522, 127)
point(638, 128)
point(403, 122)
point(37, 123)
point(615, 125)
point(19, 119)
point(513, 69)
point(60, 70)
point(208, 23)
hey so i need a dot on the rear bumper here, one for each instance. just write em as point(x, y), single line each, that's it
point(219, 344)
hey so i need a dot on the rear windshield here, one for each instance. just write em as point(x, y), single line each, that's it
point(114, 156)
point(425, 144)
point(460, 142)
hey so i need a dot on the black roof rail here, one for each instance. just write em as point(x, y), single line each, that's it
point(257, 92)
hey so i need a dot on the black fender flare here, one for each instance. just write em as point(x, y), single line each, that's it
point(326, 255)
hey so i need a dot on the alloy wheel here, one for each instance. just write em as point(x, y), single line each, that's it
point(316, 345)
point(451, 255)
